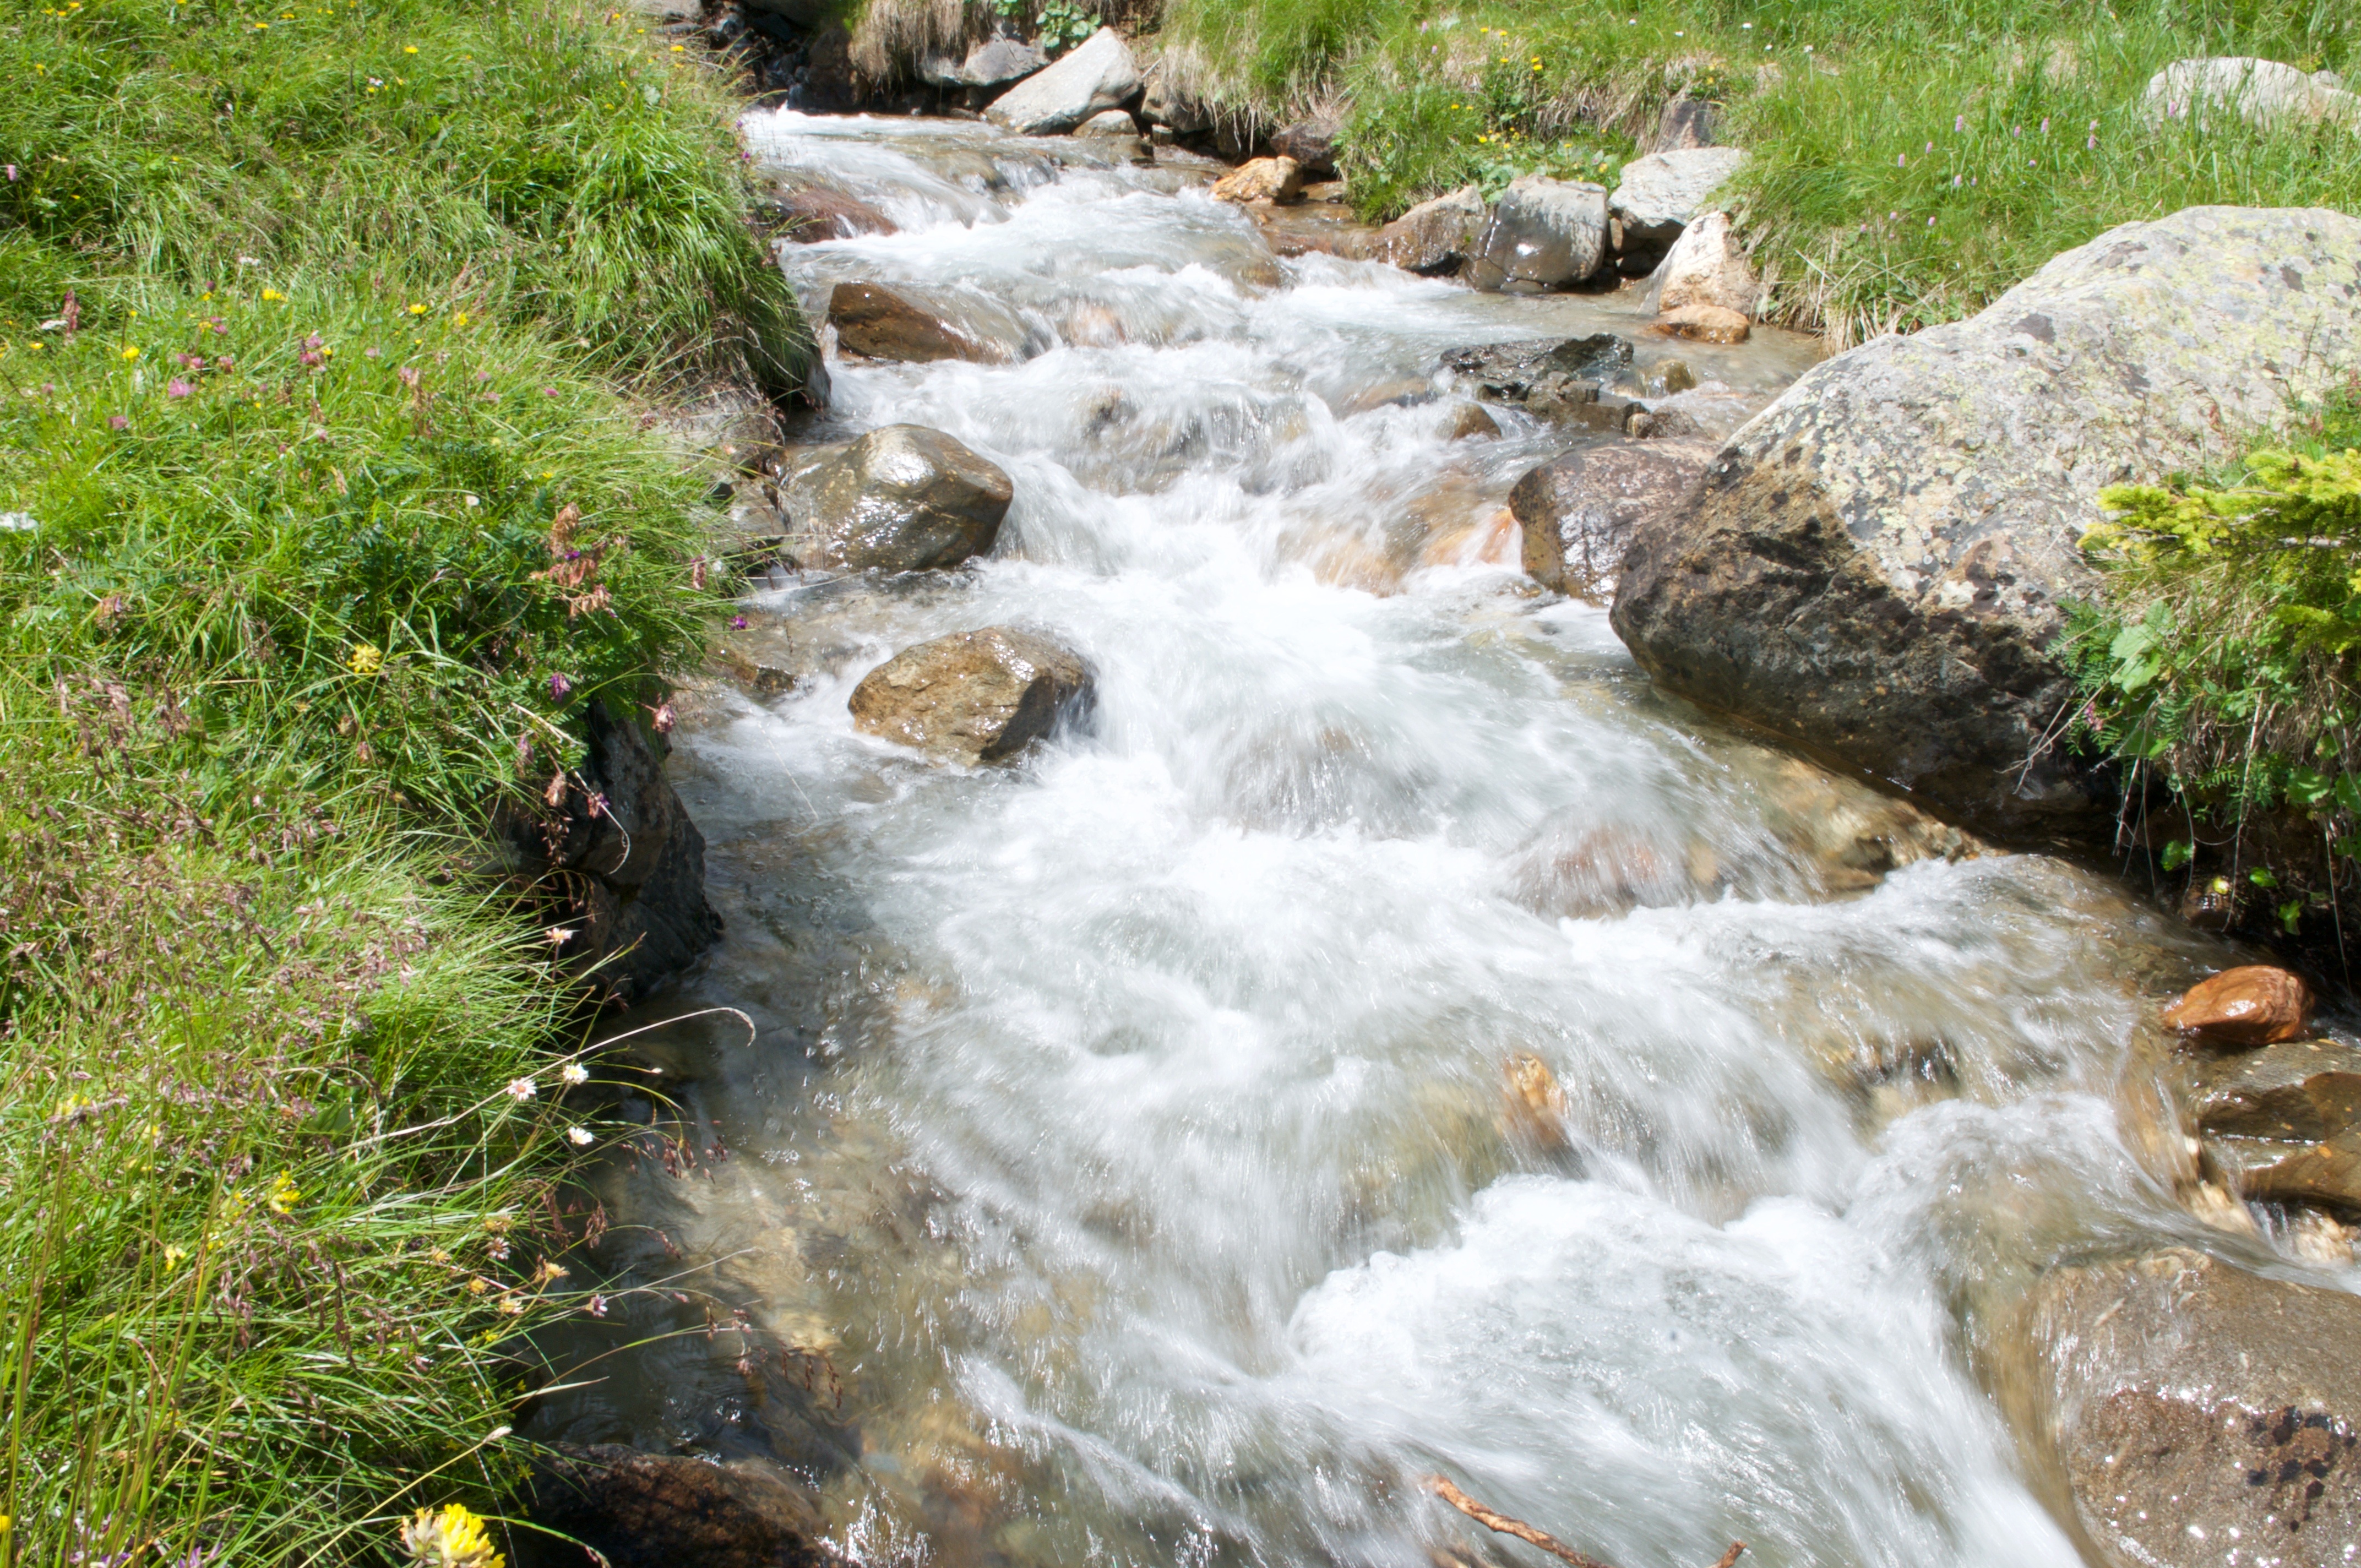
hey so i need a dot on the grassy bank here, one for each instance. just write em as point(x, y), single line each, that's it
point(1911, 161)
point(325, 503)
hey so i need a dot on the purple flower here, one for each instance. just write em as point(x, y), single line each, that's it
point(1958, 123)
point(737, 623)
point(558, 686)
point(178, 388)
point(370, 353)
point(117, 421)
point(225, 363)
point(313, 341)
point(549, 391)
point(311, 358)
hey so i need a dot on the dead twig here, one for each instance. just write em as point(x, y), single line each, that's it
point(1493, 1519)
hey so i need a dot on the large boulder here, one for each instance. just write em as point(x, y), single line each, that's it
point(1686, 122)
point(2197, 1415)
point(658, 1510)
point(993, 63)
point(809, 212)
point(1312, 142)
point(1577, 512)
point(1097, 74)
point(1436, 236)
point(2261, 92)
point(888, 323)
point(617, 846)
point(2283, 1123)
point(1544, 234)
point(1162, 103)
point(1874, 564)
point(1659, 193)
point(1705, 267)
point(903, 499)
point(974, 697)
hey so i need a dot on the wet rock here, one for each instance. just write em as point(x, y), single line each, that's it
point(1674, 376)
point(1705, 267)
point(1580, 871)
point(2283, 1124)
point(1535, 1102)
point(902, 499)
point(1312, 142)
point(1470, 421)
point(974, 697)
point(1577, 512)
point(806, 14)
point(653, 1510)
point(1658, 194)
point(1875, 563)
point(1303, 228)
point(1543, 233)
point(1664, 423)
point(1113, 123)
point(994, 62)
point(2196, 1414)
point(2253, 1004)
point(1563, 381)
point(1686, 122)
point(2262, 92)
point(1097, 74)
point(621, 850)
point(1437, 236)
point(1706, 324)
point(1164, 105)
point(884, 324)
point(1853, 835)
point(1260, 179)
point(804, 214)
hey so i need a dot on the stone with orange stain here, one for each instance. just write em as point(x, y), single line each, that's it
point(2253, 1004)
point(1535, 1102)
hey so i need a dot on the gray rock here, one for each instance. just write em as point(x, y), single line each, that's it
point(1687, 121)
point(1436, 236)
point(903, 499)
point(904, 324)
point(996, 62)
point(1874, 563)
point(1563, 381)
point(1310, 142)
point(974, 697)
point(2197, 1416)
point(1097, 74)
point(1163, 104)
point(1544, 234)
point(1658, 194)
point(1705, 267)
point(1111, 122)
point(659, 1510)
point(1578, 512)
point(2260, 91)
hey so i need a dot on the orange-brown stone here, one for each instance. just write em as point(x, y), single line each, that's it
point(2253, 1004)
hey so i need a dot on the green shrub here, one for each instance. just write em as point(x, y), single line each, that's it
point(2226, 660)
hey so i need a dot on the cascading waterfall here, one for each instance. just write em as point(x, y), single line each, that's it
point(1141, 1153)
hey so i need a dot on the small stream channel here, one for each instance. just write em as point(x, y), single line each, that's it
point(1141, 1156)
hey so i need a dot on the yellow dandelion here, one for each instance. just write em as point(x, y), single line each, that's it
point(460, 319)
point(365, 659)
point(452, 1536)
point(269, 294)
point(417, 310)
point(410, 49)
point(175, 1255)
point(131, 351)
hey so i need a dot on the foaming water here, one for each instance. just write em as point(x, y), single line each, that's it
point(1140, 1157)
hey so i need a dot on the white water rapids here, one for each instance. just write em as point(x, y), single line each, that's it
point(1127, 1147)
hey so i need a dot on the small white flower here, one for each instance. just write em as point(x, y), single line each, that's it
point(16, 522)
point(574, 1072)
point(579, 1137)
point(523, 1089)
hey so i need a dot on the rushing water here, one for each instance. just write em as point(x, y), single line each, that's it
point(1137, 1154)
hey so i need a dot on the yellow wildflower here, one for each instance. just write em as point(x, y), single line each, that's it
point(452, 1538)
point(268, 294)
point(363, 660)
point(175, 1255)
point(284, 1194)
point(460, 319)
point(478, 1285)
point(131, 351)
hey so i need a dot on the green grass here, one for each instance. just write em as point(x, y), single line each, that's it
point(1861, 115)
point(324, 525)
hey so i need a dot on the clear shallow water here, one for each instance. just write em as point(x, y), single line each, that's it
point(1140, 1157)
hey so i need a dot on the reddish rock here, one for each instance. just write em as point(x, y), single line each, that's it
point(975, 697)
point(1276, 180)
point(2254, 1004)
point(882, 325)
point(806, 214)
point(1706, 324)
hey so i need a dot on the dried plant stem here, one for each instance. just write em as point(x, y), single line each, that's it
point(1493, 1519)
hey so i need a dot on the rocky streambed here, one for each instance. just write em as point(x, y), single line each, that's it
point(1245, 997)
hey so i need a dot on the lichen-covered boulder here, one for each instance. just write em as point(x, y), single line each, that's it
point(2260, 91)
point(993, 63)
point(974, 697)
point(2198, 1416)
point(1544, 234)
point(1097, 74)
point(1874, 564)
point(903, 499)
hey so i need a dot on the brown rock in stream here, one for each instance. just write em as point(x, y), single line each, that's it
point(2197, 1415)
point(1435, 237)
point(902, 499)
point(2283, 1124)
point(1276, 180)
point(807, 214)
point(974, 697)
point(1578, 512)
point(658, 1510)
point(2253, 1004)
point(875, 321)
point(1706, 324)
